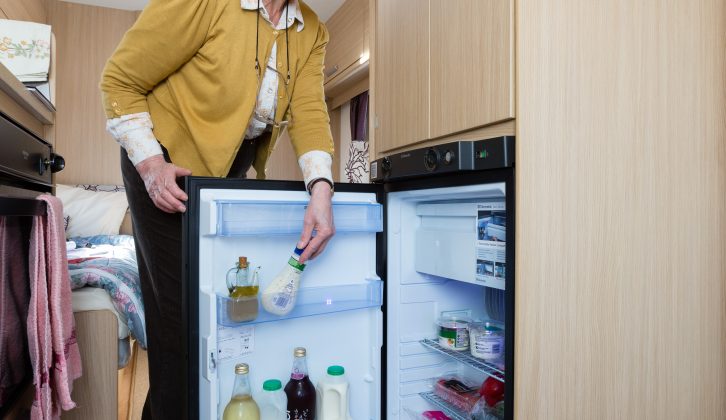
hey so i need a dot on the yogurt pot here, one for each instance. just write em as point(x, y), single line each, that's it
point(453, 332)
point(487, 340)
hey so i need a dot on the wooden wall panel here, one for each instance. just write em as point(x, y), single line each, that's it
point(282, 164)
point(86, 37)
point(621, 221)
point(95, 393)
point(32, 10)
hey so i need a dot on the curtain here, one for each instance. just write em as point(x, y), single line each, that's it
point(359, 117)
point(356, 163)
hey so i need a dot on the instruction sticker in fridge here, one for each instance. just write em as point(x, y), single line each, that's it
point(491, 231)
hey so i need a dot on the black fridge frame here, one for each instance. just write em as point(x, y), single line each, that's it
point(190, 264)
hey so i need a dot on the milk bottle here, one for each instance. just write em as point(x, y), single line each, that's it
point(273, 401)
point(333, 395)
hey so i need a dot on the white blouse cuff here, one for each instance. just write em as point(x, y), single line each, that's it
point(314, 165)
point(134, 133)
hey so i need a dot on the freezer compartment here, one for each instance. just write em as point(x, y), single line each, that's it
point(463, 241)
point(311, 301)
point(270, 217)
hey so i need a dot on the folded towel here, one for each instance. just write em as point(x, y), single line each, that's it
point(25, 49)
point(54, 352)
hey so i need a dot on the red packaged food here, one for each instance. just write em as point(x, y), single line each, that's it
point(457, 392)
point(435, 415)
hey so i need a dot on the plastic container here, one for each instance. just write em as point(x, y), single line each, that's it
point(486, 341)
point(333, 395)
point(272, 401)
point(457, 392)
point(280, 296)
point(453, 332)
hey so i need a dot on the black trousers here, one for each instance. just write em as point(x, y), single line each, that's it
point(157, 236)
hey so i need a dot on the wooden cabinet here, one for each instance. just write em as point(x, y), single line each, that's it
point(401, 73)
point(31, 10)
point(472, 64)
point(349, 35)
point(441, 68)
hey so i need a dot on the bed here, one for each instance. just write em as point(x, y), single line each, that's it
point(107, 303)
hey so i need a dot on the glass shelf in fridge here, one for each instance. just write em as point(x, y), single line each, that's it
point(311, 301)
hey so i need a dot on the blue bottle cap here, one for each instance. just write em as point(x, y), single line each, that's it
point(299, 251)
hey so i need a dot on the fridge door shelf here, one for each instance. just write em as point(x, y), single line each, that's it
point(268, 217)
point(465, 357)
point(313, 301)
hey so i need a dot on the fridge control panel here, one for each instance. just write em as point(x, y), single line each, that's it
point(451, 157)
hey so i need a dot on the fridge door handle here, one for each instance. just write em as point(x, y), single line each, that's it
point(209, 362)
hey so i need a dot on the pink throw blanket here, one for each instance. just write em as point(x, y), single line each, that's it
point(54, 352)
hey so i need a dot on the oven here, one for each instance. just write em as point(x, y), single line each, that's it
point(26, 166)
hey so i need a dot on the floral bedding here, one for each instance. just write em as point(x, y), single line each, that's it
point(109, 262)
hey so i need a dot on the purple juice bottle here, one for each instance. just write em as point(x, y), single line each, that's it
point(300, 390)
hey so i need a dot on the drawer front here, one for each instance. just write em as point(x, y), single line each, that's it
point(23, 153)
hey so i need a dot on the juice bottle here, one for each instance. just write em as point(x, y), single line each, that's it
point(241, 406)
point(300, 391)
point(280, 296)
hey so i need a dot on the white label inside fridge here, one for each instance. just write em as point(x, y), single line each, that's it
point(491, 230)
point(235, 341)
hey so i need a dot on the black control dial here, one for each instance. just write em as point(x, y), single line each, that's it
point(431, 159)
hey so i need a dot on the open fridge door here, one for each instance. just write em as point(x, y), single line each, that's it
point(337, 317)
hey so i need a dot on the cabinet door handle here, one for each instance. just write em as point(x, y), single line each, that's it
point(331, 71)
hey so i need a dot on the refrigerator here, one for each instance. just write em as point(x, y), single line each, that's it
point(429, 242)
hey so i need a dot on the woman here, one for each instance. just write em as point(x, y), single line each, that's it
point(205, 87)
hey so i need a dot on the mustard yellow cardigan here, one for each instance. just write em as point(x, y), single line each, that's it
point(190, 64)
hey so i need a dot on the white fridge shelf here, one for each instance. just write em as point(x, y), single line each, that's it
point(313, 301)
point(266, 217)
point(450, 411)
point(466, 358)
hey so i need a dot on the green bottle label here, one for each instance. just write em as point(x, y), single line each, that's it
point(296, 264)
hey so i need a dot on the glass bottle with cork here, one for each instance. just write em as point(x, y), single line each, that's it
point(242, 304)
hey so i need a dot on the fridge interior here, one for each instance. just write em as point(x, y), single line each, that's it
point(337, 318)
point(434, 265)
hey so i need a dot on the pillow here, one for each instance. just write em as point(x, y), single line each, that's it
point(91, 212)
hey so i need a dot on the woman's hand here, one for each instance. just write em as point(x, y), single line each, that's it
point(160, 180)
point(318, 217)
